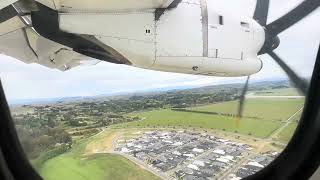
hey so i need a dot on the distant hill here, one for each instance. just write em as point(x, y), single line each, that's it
point(260, 85)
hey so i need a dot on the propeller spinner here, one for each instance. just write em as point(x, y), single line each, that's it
point(272, 40)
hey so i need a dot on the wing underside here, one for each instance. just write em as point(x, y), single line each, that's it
point(105, 6)
point(21, 40)
point(18, 39)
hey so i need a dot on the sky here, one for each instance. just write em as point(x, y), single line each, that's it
point(298, 48)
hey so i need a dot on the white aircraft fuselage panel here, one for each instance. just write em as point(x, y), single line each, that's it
point(132, 34)
point(179, 32)
point(190, 38)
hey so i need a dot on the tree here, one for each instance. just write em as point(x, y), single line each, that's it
point(51, 122)
point(64, 137)
point(44, 142)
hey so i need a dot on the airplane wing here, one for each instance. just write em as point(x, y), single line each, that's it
point(19, 39)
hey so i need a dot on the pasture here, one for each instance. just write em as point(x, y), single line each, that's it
point(261, 117)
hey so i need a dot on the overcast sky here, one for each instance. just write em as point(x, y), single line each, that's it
point(27, 81)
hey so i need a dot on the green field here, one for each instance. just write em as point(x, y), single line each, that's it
point(276, 92)
point(286, 134)
point(267, 109)
point(269, 113)
point(165, 118)
point(73, 166)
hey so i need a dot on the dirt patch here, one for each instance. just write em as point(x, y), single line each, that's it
point(101, 145)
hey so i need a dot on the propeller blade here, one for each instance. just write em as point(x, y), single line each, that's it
point(261, 12)
point(242, 98)
point(292, 17)
point(299, 83)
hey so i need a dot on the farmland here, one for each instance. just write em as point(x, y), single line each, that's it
point(276, 92)
point(267, 109)
point(286, 134)
point(169, 118)
point(268, 113)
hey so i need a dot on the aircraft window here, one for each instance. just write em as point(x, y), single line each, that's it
point(151, 117)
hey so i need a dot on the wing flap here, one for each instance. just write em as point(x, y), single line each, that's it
point(52, 54)
point(27, 46)
point(15, 44)
point(11, 25)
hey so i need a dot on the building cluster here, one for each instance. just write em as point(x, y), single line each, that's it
point(252, 165)
point(188, 155)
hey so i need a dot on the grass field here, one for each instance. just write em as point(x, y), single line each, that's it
point(276, 92)
point(164, 118)
point(74, 166)
point(286, 134)
point(270, 113)
point(267, 109)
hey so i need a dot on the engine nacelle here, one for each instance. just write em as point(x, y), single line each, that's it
point(188, 36)
point(209, 66)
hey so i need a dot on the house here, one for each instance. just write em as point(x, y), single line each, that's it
point(227, 157)
point(187, 170)
point(177, 144)
point(222, 160)
point(176, 153)
point(125, 150)
point(198, 163)
point(194, 167)
point(189, 155)
point(256, 164)
point(197, 150)
point(207, 172)
point(218, 163)
point(219, 151)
